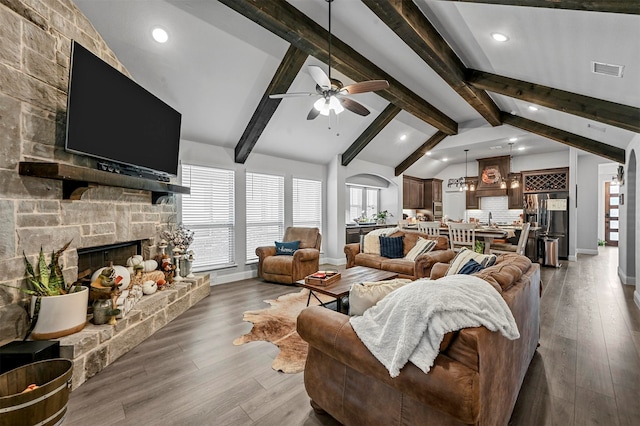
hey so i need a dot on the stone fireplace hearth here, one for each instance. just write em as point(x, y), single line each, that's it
point(97, 346)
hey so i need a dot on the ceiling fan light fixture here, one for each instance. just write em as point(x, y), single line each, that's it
point(335, 105)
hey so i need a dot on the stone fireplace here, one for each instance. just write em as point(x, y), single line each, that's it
point(34, 212)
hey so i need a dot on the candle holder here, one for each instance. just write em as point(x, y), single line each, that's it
point(176, 255)
point(188, 264)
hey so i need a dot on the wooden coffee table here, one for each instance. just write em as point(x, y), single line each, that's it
point(340, 288)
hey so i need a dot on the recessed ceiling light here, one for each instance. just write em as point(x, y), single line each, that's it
point(499, 37)
point(521, 148)
point(428, 153)
point(533, 108)
point(160, 35)
point(403, 137)
point(513, 139)
point(445, 159)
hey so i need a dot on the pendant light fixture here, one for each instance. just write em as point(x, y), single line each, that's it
point(515, 183)
point(465, 186)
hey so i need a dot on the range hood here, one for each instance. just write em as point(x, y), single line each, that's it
point(492, 172)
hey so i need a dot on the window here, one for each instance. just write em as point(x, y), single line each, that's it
point(209, 212)
point(362, 200)
point(265, 211)
point(307, 203)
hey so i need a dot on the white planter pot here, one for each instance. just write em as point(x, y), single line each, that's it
point(60, 315)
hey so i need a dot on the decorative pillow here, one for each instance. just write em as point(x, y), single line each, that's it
point(391, 247)
point(362, 296)
point(422, 246)
point(371, 241)
point(471, 267)
point(465, 255)
point(287, 249)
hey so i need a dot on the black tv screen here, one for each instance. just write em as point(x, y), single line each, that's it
point(109, 116)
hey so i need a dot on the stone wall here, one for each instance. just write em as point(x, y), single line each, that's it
point(35, 43)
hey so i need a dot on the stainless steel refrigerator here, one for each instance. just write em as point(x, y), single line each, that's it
point(550, 210)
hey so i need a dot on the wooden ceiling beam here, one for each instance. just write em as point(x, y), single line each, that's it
point(598, 148)
point(420, 152)
point(290, 24)
point(614, 114)
point(285, 74)
point(410, 24)
point(630, 7)
point(370, 132)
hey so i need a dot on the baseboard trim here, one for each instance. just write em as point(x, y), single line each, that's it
point(229, 278)
point(636, 298)
point(587, 251)
point(333, 261)
point(626, 280)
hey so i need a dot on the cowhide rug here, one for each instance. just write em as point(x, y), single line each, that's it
point(277, 324)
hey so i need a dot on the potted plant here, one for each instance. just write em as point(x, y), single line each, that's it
point(57, 309)
point(381, 217)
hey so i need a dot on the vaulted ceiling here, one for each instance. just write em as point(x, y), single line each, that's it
point(452, 86)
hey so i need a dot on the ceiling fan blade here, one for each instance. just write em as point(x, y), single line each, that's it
point(354, 106)
point(365, 86)
point(313, 113)
point(291, 95)
point(320, 77)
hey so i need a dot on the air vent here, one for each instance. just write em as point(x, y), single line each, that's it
point(607, 69)
point(496, 147)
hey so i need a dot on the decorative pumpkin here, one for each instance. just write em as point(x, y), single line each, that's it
point(150, 265)
point(120, 271)
point(135, 260)
point(149, 287)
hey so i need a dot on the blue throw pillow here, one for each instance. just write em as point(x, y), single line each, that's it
point(391, 247)
point(471, 267)
point(287, 249)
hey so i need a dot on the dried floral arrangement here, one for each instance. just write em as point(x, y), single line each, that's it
point(178, 236)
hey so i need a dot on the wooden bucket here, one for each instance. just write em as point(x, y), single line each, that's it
point(46, 405)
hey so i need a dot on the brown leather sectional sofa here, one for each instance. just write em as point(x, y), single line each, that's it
point(475, 379)
point(419, 268)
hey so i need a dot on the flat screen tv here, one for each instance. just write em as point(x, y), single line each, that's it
point(111, 117)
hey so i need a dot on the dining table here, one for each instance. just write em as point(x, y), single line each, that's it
point(486, 234)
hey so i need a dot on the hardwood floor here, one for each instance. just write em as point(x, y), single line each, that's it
point(586, 371)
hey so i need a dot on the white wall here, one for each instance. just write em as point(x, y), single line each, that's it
point(220, 157)
point(628, 250)
point(588, 200)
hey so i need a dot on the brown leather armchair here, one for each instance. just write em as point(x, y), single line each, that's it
point(289, 269)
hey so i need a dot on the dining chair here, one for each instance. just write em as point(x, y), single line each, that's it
point(429, 228)
point(462, 235)
point(513, 248)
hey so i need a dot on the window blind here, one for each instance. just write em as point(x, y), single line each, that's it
point(209, 211)
point(307, 203)
point(265, 211)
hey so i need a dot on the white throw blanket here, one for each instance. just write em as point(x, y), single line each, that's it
point(410, 323)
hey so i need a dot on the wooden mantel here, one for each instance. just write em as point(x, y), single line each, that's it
point(76, 180)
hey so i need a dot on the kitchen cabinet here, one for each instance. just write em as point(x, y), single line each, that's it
point(472, 199)
point(433, 198)
point(412, 193)
point(515, 194)
point(432, 191)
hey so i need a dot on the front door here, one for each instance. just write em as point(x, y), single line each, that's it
point(611, 213)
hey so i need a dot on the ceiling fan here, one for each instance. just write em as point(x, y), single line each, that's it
point(333, 94)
